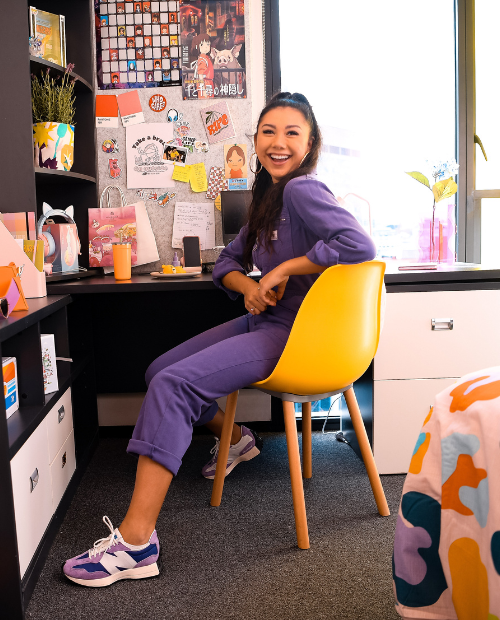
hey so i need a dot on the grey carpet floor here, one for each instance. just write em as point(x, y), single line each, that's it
point(239, 561)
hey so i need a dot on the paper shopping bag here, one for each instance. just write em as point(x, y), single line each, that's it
point(109, 225)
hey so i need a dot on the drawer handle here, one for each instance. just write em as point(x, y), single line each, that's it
point(34, 480)
point(60, 415)
point(440, 324)
point(63, 460)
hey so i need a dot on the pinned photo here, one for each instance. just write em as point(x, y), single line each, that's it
point(175, 154)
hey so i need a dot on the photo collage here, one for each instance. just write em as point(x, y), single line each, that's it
point(138, 44)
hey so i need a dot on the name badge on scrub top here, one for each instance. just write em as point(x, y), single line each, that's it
point(274, 235)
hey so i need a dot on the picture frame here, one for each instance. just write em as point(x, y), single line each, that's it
point(51, 31)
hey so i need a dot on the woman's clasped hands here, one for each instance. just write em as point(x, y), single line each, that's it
point(262, 294)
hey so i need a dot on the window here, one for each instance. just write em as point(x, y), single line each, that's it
point(382, 81)
point(486, 173)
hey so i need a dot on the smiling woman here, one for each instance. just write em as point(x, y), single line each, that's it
point(296, 230)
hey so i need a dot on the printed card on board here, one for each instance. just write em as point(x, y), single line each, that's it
point(217, 122)
point(213, 49)
point(130, 108)
point(146, 167)
point(235, 161)
point(106, 111)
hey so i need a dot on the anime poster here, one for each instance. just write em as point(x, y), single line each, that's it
point(137, 44)
point(213, 48)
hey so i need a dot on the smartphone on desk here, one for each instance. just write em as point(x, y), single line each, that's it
point(192, 253)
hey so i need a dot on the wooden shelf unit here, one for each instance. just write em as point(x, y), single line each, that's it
point(25, 188)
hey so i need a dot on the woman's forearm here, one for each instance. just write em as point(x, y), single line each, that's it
point(300, 266)
point(236, 281)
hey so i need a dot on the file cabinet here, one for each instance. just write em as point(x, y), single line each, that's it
point(429, 340)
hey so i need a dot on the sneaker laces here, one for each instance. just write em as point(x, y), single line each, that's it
point(103, 544)
point(215, 450)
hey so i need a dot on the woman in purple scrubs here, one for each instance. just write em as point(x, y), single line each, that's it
point(296, 229)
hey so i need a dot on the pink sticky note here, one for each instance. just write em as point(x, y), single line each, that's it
point(130, 108)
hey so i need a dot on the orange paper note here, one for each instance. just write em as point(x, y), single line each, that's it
point(106, 111)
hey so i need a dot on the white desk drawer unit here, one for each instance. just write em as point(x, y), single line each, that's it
point(429, 340)
point(41, 471)
point(60, 424)
point(32, 487)
point(62, 468)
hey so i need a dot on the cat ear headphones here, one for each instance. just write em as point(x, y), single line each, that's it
point(49, 244)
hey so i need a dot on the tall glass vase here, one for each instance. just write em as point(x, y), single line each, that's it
point(443, 234)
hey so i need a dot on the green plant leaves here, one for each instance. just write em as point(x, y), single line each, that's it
point(421, 178)
point(444, 189)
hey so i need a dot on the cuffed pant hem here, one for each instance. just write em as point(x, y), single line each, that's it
point(167, 459)
point(208, 415)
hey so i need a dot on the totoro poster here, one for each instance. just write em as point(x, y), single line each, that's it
point(213, 49)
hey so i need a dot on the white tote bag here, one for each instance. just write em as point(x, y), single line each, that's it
point(147, 252)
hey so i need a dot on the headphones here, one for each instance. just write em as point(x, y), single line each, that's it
point(49, 244)
point(172, 116)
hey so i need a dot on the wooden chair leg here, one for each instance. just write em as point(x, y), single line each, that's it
point(306, 441)
point(225, 442)
point(299, 504)
point(366, 452)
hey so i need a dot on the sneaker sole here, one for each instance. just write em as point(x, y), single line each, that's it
point(153, 570)
point(251, 454)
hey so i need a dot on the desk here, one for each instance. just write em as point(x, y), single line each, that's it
point(134, 322)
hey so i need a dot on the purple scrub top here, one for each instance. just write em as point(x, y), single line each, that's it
point(311, 223)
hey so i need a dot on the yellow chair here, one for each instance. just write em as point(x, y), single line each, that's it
point(332, 342)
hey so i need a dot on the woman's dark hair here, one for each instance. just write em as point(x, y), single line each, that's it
point(267, 197)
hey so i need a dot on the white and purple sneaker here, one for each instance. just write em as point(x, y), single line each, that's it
point(247, 448)
point(113, 559)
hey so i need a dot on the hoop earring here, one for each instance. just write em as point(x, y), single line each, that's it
point(256, 172)
point(302, 160)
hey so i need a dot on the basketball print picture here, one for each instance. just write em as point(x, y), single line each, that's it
point(212, 38)
point(135, 42)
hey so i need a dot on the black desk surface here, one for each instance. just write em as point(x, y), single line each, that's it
point(444, 274)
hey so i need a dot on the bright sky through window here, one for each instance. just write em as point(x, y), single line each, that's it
point(381, 79)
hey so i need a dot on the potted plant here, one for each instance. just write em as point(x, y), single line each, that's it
point(53, 105)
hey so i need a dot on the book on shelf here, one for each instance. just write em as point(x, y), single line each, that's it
point(50, 30)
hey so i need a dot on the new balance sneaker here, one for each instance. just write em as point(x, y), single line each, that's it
point(113, 559)
point(247, 448)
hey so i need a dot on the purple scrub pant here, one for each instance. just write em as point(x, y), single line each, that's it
point(184, 382)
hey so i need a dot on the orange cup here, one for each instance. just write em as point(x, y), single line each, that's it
point(122, 260)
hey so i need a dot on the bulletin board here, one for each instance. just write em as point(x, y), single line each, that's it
point(188, 129)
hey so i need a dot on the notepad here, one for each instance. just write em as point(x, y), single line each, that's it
point(198, 177)
point(194, 219)
point(182, 173)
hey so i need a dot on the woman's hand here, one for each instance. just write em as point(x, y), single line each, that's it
point(275, 278)
point(255, 303)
